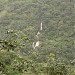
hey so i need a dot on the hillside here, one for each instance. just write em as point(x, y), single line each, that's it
point(41, 30)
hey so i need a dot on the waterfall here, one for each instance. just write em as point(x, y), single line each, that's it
point(33, 45)
point(37, 35)
point(41, 26)
point(36, 44)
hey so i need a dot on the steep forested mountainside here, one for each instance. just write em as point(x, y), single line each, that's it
point(37, 37)
point(25, 17)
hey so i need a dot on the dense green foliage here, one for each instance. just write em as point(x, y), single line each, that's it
point(20, 22)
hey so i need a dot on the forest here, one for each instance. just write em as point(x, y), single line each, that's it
point(37, 37)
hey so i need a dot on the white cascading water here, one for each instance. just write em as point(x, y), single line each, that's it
point(41, 26)
point(37, 35)
point(36, 44)
point(33, 45)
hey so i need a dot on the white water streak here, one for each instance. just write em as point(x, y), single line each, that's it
point(41, 26)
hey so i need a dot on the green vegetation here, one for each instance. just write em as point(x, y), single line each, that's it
point(25, 49)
